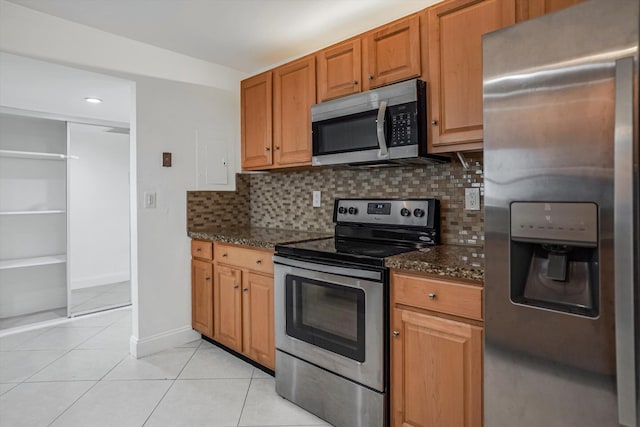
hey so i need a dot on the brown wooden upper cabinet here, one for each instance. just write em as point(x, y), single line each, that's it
point(529, 9)
point(256, 121)
point(294, 94)
point(391, 53)
point(339, 70)
point(455, 30)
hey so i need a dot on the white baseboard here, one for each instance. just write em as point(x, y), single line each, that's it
point(103, 279)
point(141, 347)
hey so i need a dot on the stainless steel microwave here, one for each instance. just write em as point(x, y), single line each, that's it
point(384, 125)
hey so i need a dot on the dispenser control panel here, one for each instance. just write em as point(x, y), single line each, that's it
point(565, 223)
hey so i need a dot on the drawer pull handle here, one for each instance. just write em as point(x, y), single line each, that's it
point(235, 286)
point(245, 289)
point(396, 333)
point(224, 255)
point(198, 249)
point(207, 278)
point(432, 296)
point(258, 261)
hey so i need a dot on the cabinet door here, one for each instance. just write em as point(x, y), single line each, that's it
point(257, 302)
point(455, 68)
point(256, 121)
point(228, 306)
point(294, 94)
point(339, 70)
point(392, 53)
point(202, 297)
point(529, 9)
point(436, 371)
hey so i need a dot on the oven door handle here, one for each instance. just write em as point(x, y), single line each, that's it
point(331, 269)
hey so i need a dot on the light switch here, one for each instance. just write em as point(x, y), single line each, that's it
point(150, 200)
point(166, 160)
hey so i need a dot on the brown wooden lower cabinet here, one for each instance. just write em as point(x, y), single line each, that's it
point(232, 299)
point(202, 297)
point(257, 310)
point(227, 303)
point(436, 366)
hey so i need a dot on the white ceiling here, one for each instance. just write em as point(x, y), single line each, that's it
point(33, 85)
point(247, 35)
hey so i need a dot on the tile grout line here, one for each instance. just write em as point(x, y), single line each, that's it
point(170, 386)
point(246, 396)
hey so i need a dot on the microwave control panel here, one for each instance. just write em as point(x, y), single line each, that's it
point(404, 124)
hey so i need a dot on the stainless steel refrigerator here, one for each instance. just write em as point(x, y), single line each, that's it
point(561, 219)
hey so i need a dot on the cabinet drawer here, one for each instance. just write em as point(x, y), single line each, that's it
point(437, 295)
point(202, 249)
point(251, 259)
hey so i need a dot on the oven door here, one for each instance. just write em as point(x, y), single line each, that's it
point(331, 320)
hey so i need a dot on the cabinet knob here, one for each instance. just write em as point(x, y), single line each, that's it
point(236, 286)
point(207, 278)
point(434, 123)
point(396, 333)
point(432, 296)
point(245, 289)
point(198, 249)
point(267, 149)
point(355, 82)
point(258, 261)
point(370, 77)
point(224, 255)
point(277, 147)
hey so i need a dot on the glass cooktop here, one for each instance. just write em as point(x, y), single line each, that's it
point(345, 250)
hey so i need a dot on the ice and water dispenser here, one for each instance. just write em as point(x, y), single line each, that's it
point(554, 256)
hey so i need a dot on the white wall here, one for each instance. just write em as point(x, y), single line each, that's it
point(98, 206)
point(169, 116)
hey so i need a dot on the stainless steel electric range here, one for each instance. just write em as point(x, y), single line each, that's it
point(331, 308)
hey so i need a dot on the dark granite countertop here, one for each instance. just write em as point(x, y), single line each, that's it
point(450, 261)
point(258, 237)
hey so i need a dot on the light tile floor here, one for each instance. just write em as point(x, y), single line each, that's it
point(80, 374)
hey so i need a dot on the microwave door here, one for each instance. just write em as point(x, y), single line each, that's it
point(354, 138)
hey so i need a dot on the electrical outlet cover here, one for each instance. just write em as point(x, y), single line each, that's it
point(317, 199)
point(472, 199)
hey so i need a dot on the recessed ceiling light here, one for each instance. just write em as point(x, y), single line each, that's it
point(92, 100)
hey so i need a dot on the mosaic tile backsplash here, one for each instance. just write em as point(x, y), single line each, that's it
point(284, 199)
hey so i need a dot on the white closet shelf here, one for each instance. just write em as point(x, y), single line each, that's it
point(32, 262)
point(34, 155)
point(53, 211)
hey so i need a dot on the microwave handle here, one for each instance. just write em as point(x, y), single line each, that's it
point(382, 142)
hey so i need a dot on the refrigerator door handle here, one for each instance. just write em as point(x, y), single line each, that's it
point(624, 242)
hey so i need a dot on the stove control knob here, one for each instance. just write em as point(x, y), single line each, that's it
point(405, 212)
point(342, 210)
point(418, 212)
point(353, 210)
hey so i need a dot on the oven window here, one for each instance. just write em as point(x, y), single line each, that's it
point(326, 315)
